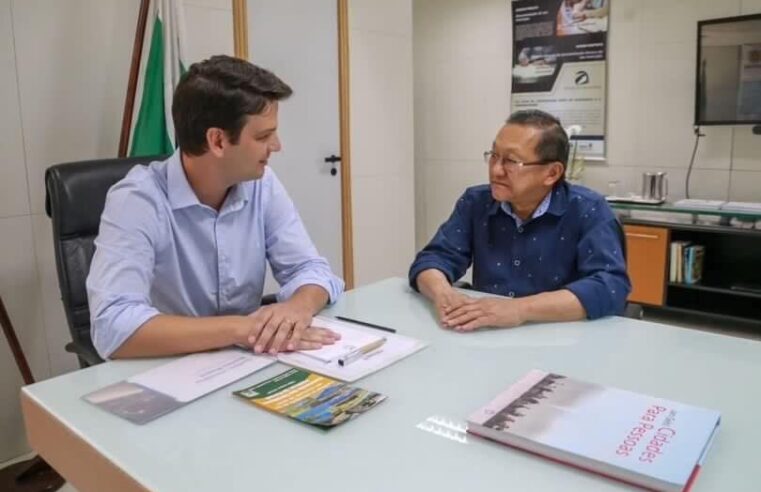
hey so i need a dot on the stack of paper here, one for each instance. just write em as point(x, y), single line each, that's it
point(325, 360)
point(699, 204)
point(748, 207)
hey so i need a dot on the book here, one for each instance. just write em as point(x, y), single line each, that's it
point(676, 261)
point(694, 264)
point(638, 439)
point(311, 398)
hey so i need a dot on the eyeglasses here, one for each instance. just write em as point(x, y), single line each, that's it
point(508, 164)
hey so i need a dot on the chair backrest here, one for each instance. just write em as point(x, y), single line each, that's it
point(76, 195)
point(632, 310)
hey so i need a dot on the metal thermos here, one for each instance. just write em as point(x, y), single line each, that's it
point(654, 186)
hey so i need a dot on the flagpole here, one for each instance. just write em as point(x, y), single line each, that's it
point(129, 101)
point(240, 29)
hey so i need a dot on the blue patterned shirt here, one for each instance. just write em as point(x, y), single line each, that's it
point(160, 250)
point(574, 245)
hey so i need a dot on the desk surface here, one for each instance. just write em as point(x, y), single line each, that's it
point(222, 443)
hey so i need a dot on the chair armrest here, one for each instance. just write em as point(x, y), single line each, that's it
point(86, 354)
point(269, 299)
point(634, 311)
point(461, 284)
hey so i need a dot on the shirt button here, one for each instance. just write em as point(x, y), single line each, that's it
point(511, 294)
point(520, 229)
point(517, 262)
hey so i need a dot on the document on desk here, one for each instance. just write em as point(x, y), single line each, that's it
point(326, 360)
point(160, 390)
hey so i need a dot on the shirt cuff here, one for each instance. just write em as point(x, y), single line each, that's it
point(109, 333)
point(593, 295)
point(418, 267)
point(333, 285)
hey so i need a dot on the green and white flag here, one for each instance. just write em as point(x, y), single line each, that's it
point(162, 62)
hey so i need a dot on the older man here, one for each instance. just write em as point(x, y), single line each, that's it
point(552, 249)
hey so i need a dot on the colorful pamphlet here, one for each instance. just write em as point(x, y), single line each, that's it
point(311, 398)
point(639, 439)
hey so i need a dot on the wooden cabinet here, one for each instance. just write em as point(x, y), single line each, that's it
point(647, 263)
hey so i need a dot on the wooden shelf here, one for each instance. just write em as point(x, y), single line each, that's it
point(719, 316)
point(716, 290)
point(680, 226)
point(731, 258)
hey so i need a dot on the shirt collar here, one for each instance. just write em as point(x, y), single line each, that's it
point(538, 212)
point(181, 194)
point(179, 191)
point(559, 202)
point(556, 203)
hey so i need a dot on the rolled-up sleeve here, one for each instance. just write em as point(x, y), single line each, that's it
point(121, 272)
point(293, 257)
point(450, 249)
point(603, 285)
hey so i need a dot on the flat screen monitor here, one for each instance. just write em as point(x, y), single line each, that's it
point(728, 79)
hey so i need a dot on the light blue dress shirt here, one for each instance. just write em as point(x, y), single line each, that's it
point(160, 251)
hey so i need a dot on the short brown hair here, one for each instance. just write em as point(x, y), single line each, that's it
point(221, 92)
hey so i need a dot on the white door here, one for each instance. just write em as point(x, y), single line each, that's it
point(298, 41)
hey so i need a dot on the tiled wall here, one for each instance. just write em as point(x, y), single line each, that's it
point(651, 82)
point(462, 56)
point(382, 170)
point(63, 73)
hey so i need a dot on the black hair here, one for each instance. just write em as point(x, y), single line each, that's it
point(553, 142)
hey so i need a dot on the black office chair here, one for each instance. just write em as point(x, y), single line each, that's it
point(76, 195)
point(632, 310)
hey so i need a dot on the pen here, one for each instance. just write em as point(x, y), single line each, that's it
point(365, 323)
point(360, 352)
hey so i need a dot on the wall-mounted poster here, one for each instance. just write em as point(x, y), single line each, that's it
point(559, 64)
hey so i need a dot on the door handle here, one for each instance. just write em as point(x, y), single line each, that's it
point(332, 159)
point(642, 236)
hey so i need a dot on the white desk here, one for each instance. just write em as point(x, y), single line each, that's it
point(221, 443)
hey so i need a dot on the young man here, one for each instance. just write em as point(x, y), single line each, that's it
point(553, 249)
point(181, 253)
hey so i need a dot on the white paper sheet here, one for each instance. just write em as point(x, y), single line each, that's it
point(351, 339)
point(193, 376)
point(396, 348)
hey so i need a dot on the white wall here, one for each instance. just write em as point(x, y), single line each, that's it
point(462, 56)
point(63, 75)
point(382, 171)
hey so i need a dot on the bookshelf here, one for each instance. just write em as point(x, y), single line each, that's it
point(731, 284)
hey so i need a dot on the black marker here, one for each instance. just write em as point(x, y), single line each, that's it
point(364, 323)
